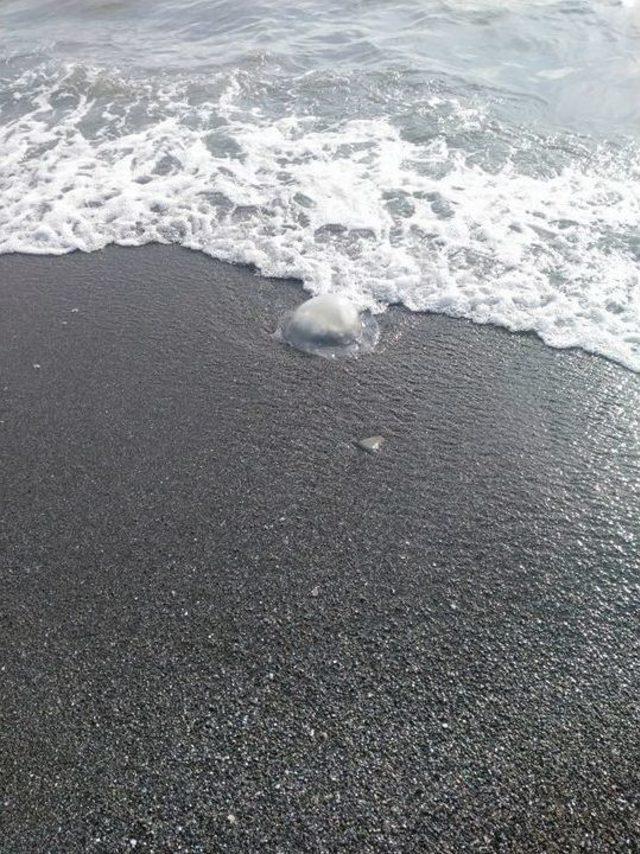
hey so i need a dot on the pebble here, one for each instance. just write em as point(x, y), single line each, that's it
point(372, 444)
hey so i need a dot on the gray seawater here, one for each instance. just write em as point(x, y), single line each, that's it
point(476, 158)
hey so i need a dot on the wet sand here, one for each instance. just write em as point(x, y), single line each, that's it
point(224, 627)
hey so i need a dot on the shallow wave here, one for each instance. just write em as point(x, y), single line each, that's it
point(455, 213)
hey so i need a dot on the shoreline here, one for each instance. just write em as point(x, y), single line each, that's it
point(224, 624)
point(252, 271)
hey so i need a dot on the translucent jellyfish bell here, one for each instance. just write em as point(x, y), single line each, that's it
point(331, 326)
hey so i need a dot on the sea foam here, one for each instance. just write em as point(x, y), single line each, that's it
point(359, 206)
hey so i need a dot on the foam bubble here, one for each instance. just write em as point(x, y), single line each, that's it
point(355, 207)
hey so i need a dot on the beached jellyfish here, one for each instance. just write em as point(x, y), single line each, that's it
point(331, 326)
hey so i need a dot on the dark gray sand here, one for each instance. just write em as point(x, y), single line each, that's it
point(224, 627)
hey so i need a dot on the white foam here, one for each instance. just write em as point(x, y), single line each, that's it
point(353, 209)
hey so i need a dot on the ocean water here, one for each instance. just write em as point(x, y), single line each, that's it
point(472, 157)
